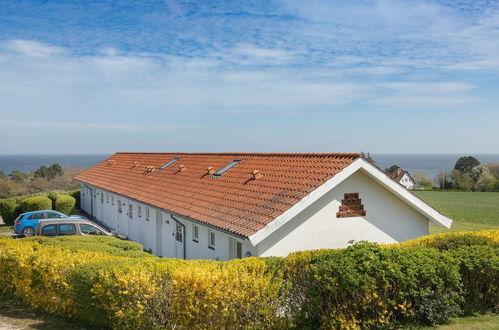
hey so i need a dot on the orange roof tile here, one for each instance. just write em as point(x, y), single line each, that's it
point(232, 201)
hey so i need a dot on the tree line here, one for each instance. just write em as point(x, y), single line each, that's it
point(43, 179)
point(468, 174)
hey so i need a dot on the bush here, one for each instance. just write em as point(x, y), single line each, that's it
point(366, 286)
point(448, 241)
point(36, 203)
point(100, 281)
point(9, 210)
point(64, 204)
point(76, 195)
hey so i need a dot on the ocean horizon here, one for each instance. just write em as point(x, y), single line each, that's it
point(430, 164)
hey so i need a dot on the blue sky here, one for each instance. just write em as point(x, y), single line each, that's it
point(293, 76)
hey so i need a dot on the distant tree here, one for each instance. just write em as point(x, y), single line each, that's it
point(484, 180)
point(444, 180)
point(462, 180)
point(494, 169)
point(422, 180)
point(48, 173)
point(18, 176)
point(466, 164)
point(392, 169)
point(2, 175)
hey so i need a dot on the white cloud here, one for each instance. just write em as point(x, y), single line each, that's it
point(32, 48)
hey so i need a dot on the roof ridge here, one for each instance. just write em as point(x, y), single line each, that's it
point(272, 154)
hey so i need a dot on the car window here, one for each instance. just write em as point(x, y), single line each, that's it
point(51, 215)
point(37, 216)
point(90, 230)
point(67, 229)
point(49, 230)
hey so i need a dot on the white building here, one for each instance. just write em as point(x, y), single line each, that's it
point(224, 206)
point(403, 177)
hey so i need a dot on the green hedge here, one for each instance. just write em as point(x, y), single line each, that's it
point(36, 203)
point(93, 279)
point(65, 204)
point(9, 210)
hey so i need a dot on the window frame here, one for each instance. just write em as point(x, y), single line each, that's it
point(211, 244)
point(195, 233)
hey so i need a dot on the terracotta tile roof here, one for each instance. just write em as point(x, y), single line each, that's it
point(233, 201)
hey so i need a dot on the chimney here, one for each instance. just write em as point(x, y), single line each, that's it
point(255, 175)
point(210, 171)
point(181, 168)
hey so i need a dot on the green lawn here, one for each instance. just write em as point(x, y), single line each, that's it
point(485, 322)
point(5, 229)
point(469, 210)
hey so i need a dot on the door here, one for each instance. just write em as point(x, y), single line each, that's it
point(159, 233)
point(131, 232)
point(179, 240)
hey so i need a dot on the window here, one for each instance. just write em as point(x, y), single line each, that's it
point(90, 230)
point(37, 216)
point(169, 163)
point(67, 229)
point(107, 198)
point(239, 250)
point(102, 198)
point(130, 211)
point(179, 231)
point(139, 211)
point(53, 215)
point(112, 199)
point(211, 240)
point(120, 210)
point(227, 167)
point(195, 233)
point(49, 230)
point(235, 249)
point(147, 213)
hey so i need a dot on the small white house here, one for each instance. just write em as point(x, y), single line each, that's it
point(403, 177)
point(232, 205)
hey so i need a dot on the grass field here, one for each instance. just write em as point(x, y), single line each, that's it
point(469, 210)
point(485, 322)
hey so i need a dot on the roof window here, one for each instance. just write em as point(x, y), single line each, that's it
point(169, 163)
point(227, 167)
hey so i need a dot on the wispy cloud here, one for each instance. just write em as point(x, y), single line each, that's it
point(266, 68)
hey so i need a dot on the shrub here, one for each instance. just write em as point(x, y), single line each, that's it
point(98, 280)
point(9, 210)
point(479, 269)
point(36, 203)
point(447, 241)
point(366, 286)
point(64, 204)
point(76, 195)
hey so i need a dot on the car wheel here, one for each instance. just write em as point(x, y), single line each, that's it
point(28, 231)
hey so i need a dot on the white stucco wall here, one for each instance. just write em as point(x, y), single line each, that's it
point(406, 181)
point(388, 220)
point(157, 234)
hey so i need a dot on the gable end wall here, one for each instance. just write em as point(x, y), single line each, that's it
point(388, 220)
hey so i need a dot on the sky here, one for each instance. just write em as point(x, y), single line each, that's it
point(388, 76)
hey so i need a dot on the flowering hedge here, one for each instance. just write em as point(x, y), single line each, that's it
point(363, 286)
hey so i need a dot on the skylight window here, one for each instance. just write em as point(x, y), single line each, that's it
point(169, 163)
point(227, 167)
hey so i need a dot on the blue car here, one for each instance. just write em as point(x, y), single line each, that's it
point(26, 223)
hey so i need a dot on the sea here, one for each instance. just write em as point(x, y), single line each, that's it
point(430, 164)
